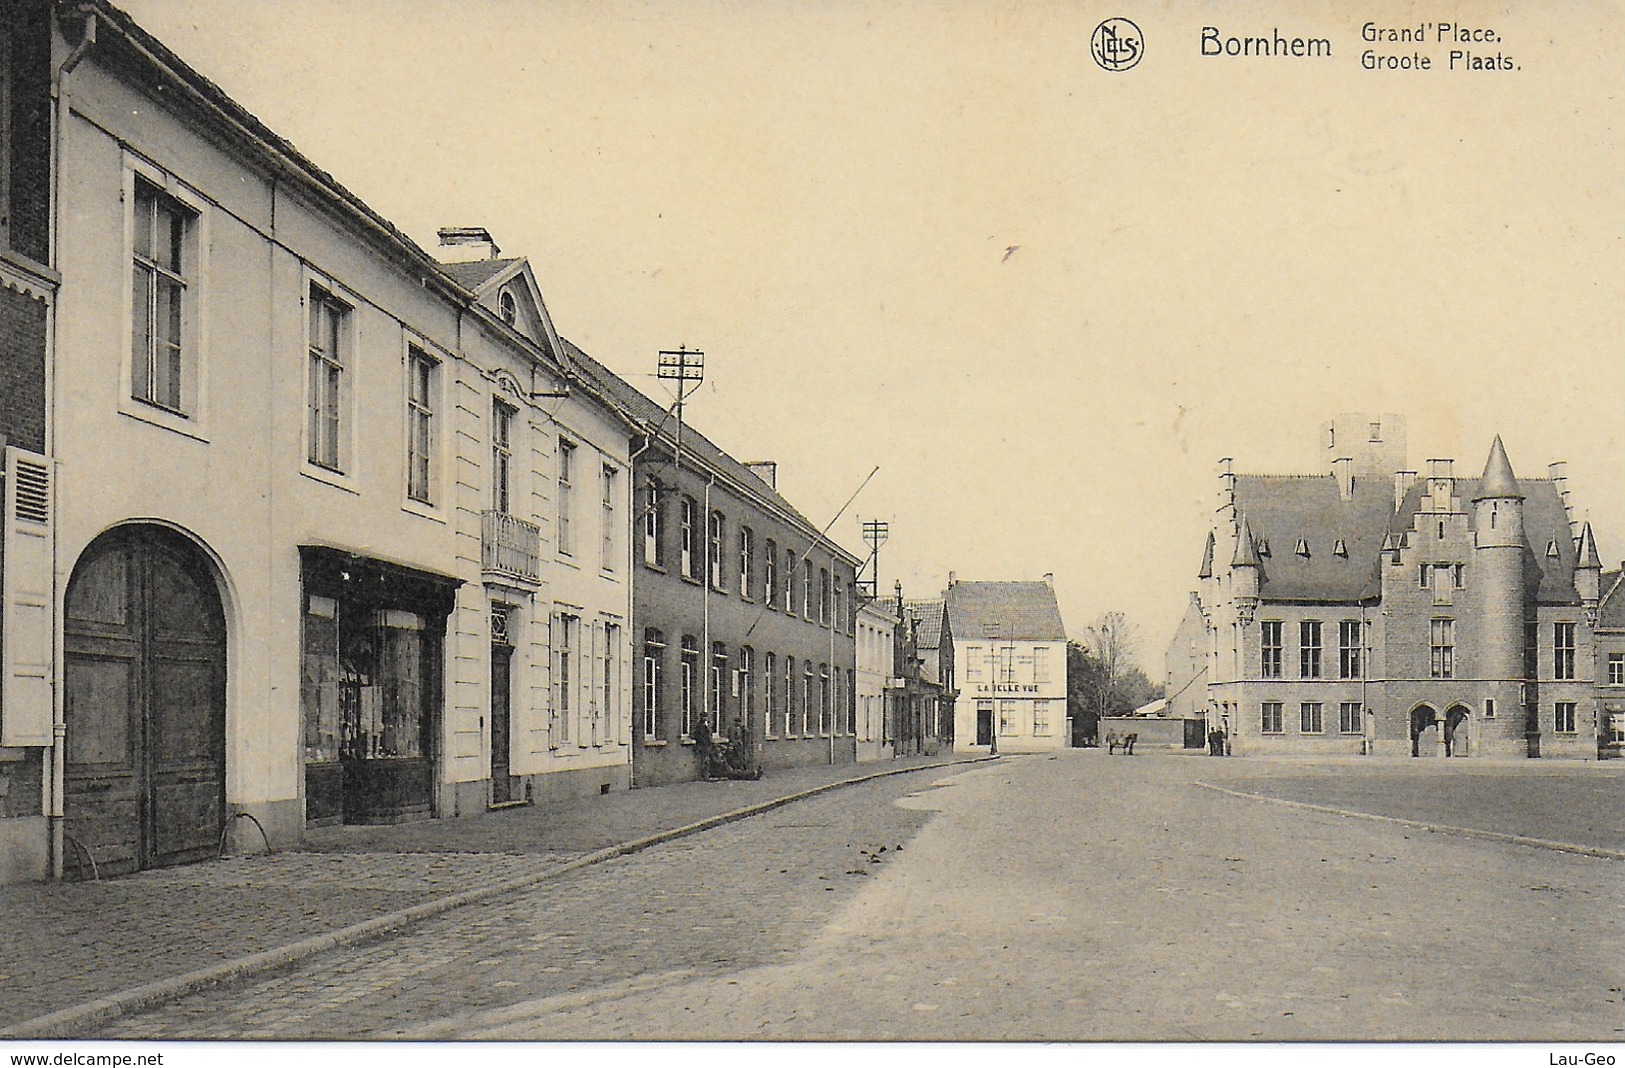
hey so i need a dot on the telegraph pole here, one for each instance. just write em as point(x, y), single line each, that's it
point(875, 533)
point(684, 365)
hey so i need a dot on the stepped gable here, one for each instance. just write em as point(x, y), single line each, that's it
point(1545, 521)
point(1024, 611)
point(1284, 510)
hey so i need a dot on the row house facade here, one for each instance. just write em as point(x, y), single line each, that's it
point(905, 678)
point(1372, 609)
point(878, 629)
point(1009, 645)
point(745, 615)
point(303, 526)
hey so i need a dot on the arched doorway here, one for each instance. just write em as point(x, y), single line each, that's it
point(1457, 730)
point(1424, 731)
point(144, 694)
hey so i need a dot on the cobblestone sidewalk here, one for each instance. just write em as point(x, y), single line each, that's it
point(73, 943)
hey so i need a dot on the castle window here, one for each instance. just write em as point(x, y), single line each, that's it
point(1458, 575)
point(1309, 718)
point(1376, 431)
point(1489, 708)
point(1422, 576)
point(1309, 649)
point(1262, 546)
point(1271, 666)
point(1348, 649)
point(1562, 650)
point(1442, 649)
point(1564, 717)
point(1616, 669)
point(1303, 547)
point(1340, 548)
point(1349, 719)
point(1551, 549)
point(1270, 718)
point(1442, 583)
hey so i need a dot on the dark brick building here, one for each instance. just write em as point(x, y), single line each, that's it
point(745, 614)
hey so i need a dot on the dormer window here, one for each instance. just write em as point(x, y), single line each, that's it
point(508, 307)
point(1263, 546)
point(1303, 547)
point(1339, 548)
point(1551, 549)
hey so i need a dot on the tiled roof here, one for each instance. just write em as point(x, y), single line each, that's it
point(930, 614)
point(1024, 611)
point(649, 414)
point(1611, 613)
point(1286, 510)
point(475, 273)
point(1283, 510)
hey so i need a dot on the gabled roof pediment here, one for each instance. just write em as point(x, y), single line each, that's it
point(507, 289)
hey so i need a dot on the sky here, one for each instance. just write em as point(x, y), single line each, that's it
point(1041, 297)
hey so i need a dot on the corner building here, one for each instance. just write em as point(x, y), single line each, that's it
point(1376, 610)
point(1009, 651)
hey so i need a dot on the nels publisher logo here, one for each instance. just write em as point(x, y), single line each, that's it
point(1117, 44)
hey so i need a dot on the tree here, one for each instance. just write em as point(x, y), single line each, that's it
point(1101, 677)
point(1113, 642)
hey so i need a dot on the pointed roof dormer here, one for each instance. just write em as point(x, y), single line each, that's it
point(1589, 556)
point(1498, 480)
point(506, 287)
point(1246, 551)
point(1207, 558)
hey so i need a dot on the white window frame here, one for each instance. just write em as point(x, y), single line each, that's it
point(503, 416)
point(192, 420)
point(1041, 721)
point(566, 464)
point(1616, 669)
point(609, 484)
point(429, 408)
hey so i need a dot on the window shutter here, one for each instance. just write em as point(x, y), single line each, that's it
point(26, 623)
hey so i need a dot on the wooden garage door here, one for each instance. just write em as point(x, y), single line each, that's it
point(144, 693)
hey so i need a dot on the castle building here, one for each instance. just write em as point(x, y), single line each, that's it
point(1377, 610)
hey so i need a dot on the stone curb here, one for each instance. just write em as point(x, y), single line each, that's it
point(1439, 828)
point(73, 1021)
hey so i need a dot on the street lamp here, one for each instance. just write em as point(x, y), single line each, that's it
point(991, 630)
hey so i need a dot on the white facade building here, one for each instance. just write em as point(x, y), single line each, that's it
point(1010, 657)
point(877, 635)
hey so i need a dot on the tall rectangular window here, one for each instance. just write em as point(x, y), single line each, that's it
point(654, 526)
point(789, 696)
point(714, 557)
point(770, 695)
point(790, 581)
point(567, 464)
point(823, 595)
point(1041, 722)
point(1270, 718)
point(688, 550)
point(159, 296)
point(770, 573)
point(421, 372)
point(1616, 669)
point(1309, 718)
point(565, 675)
point(1442, 648)
point(747, 556)
point(825, 721)
point(1309, 649)
point(809, 710)
point(806, 588)
point(610, 483)
point(1040, 664)
point(1562, 650)
point(1270, 630)
point(1349, 719)
point(654, 713)
point(502, 457)
point(324, 404)
point(719, 688)
point(973, 663)
point(688, 681)
point(1565, 717)
point(609, 691)
point(1349, 656)
point(1007, 718)
point(747, 679)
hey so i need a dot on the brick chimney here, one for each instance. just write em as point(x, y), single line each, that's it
point(465, 244)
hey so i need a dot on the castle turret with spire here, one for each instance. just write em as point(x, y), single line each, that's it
point(1375, 609)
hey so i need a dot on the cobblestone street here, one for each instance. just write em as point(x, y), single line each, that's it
point(1137, 906)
